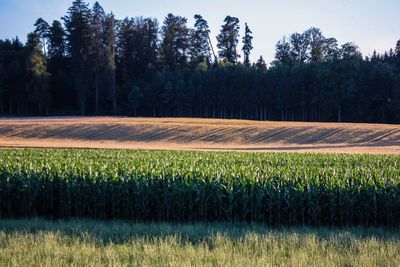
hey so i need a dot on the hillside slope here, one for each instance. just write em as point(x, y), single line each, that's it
point(199, 134)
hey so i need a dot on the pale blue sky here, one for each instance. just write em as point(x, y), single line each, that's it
point(371, 24)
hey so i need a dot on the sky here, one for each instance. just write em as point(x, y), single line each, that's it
point(371, 24)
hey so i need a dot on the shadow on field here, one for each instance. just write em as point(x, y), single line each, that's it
point(119, 232)
point(302, 147)
point(213, 134)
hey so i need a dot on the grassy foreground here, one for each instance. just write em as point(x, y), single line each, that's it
point(38, 242)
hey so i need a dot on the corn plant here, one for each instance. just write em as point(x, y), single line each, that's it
point(272, 188)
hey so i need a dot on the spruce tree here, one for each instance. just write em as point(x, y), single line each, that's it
point(97, 50)
point(247, 45)
point(175, 42)
point(57, 45)
point(110, 64)
point(79, 36)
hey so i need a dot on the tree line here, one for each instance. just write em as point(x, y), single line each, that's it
point(90, 63)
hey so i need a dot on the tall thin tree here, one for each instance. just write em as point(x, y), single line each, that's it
point(110, 46)
point(247, 45)
point(79, 36)
point(97, 49)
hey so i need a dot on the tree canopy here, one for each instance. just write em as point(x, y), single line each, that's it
point(90, 63)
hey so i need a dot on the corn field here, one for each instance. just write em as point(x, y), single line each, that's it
point(278, 189)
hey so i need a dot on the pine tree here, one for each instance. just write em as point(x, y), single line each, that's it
point(58, 66)
point(13, 55)
point(397, 49)
point(200, 47)
point(137, 49)
point(79, 35)
point(97, 49)
point(57, 45)
point(125, 50)
point(247, 45)
point(37, 75)
point(42, 29)
point(260, 65)
point(110, 64)
point(175, 43)
point(228, 40)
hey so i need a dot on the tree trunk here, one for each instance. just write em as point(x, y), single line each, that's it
point(10, 106)
point(265, 112)
point(96, 104)
point(114, 93)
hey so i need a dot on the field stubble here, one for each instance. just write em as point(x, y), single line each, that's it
point(199, 134)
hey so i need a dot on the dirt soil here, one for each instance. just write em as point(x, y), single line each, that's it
point(199, 134)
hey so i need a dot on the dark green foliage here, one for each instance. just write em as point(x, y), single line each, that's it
point(228, 40)
point(299, 47)
point(109, 82)
point(260, 65)
point(200, 45)
point(137, 49)
point(37, 76)
point(350, 51)
point(276, 189)
point(79, 36)
point(174, 47)
point(247, 45)
point(283, 54)
point(312, 46)
point(57, 45)
point(13, 57)
point(43, 30)
point(316, 44)
point(98, 65)
point(97, 50)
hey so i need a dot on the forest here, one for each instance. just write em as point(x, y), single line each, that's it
point(91, 63)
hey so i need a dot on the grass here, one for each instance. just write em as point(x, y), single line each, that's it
point(38, 242)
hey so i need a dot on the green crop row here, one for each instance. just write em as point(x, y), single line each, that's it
point(276, 189)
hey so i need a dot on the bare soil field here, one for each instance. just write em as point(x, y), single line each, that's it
point(199, 134)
